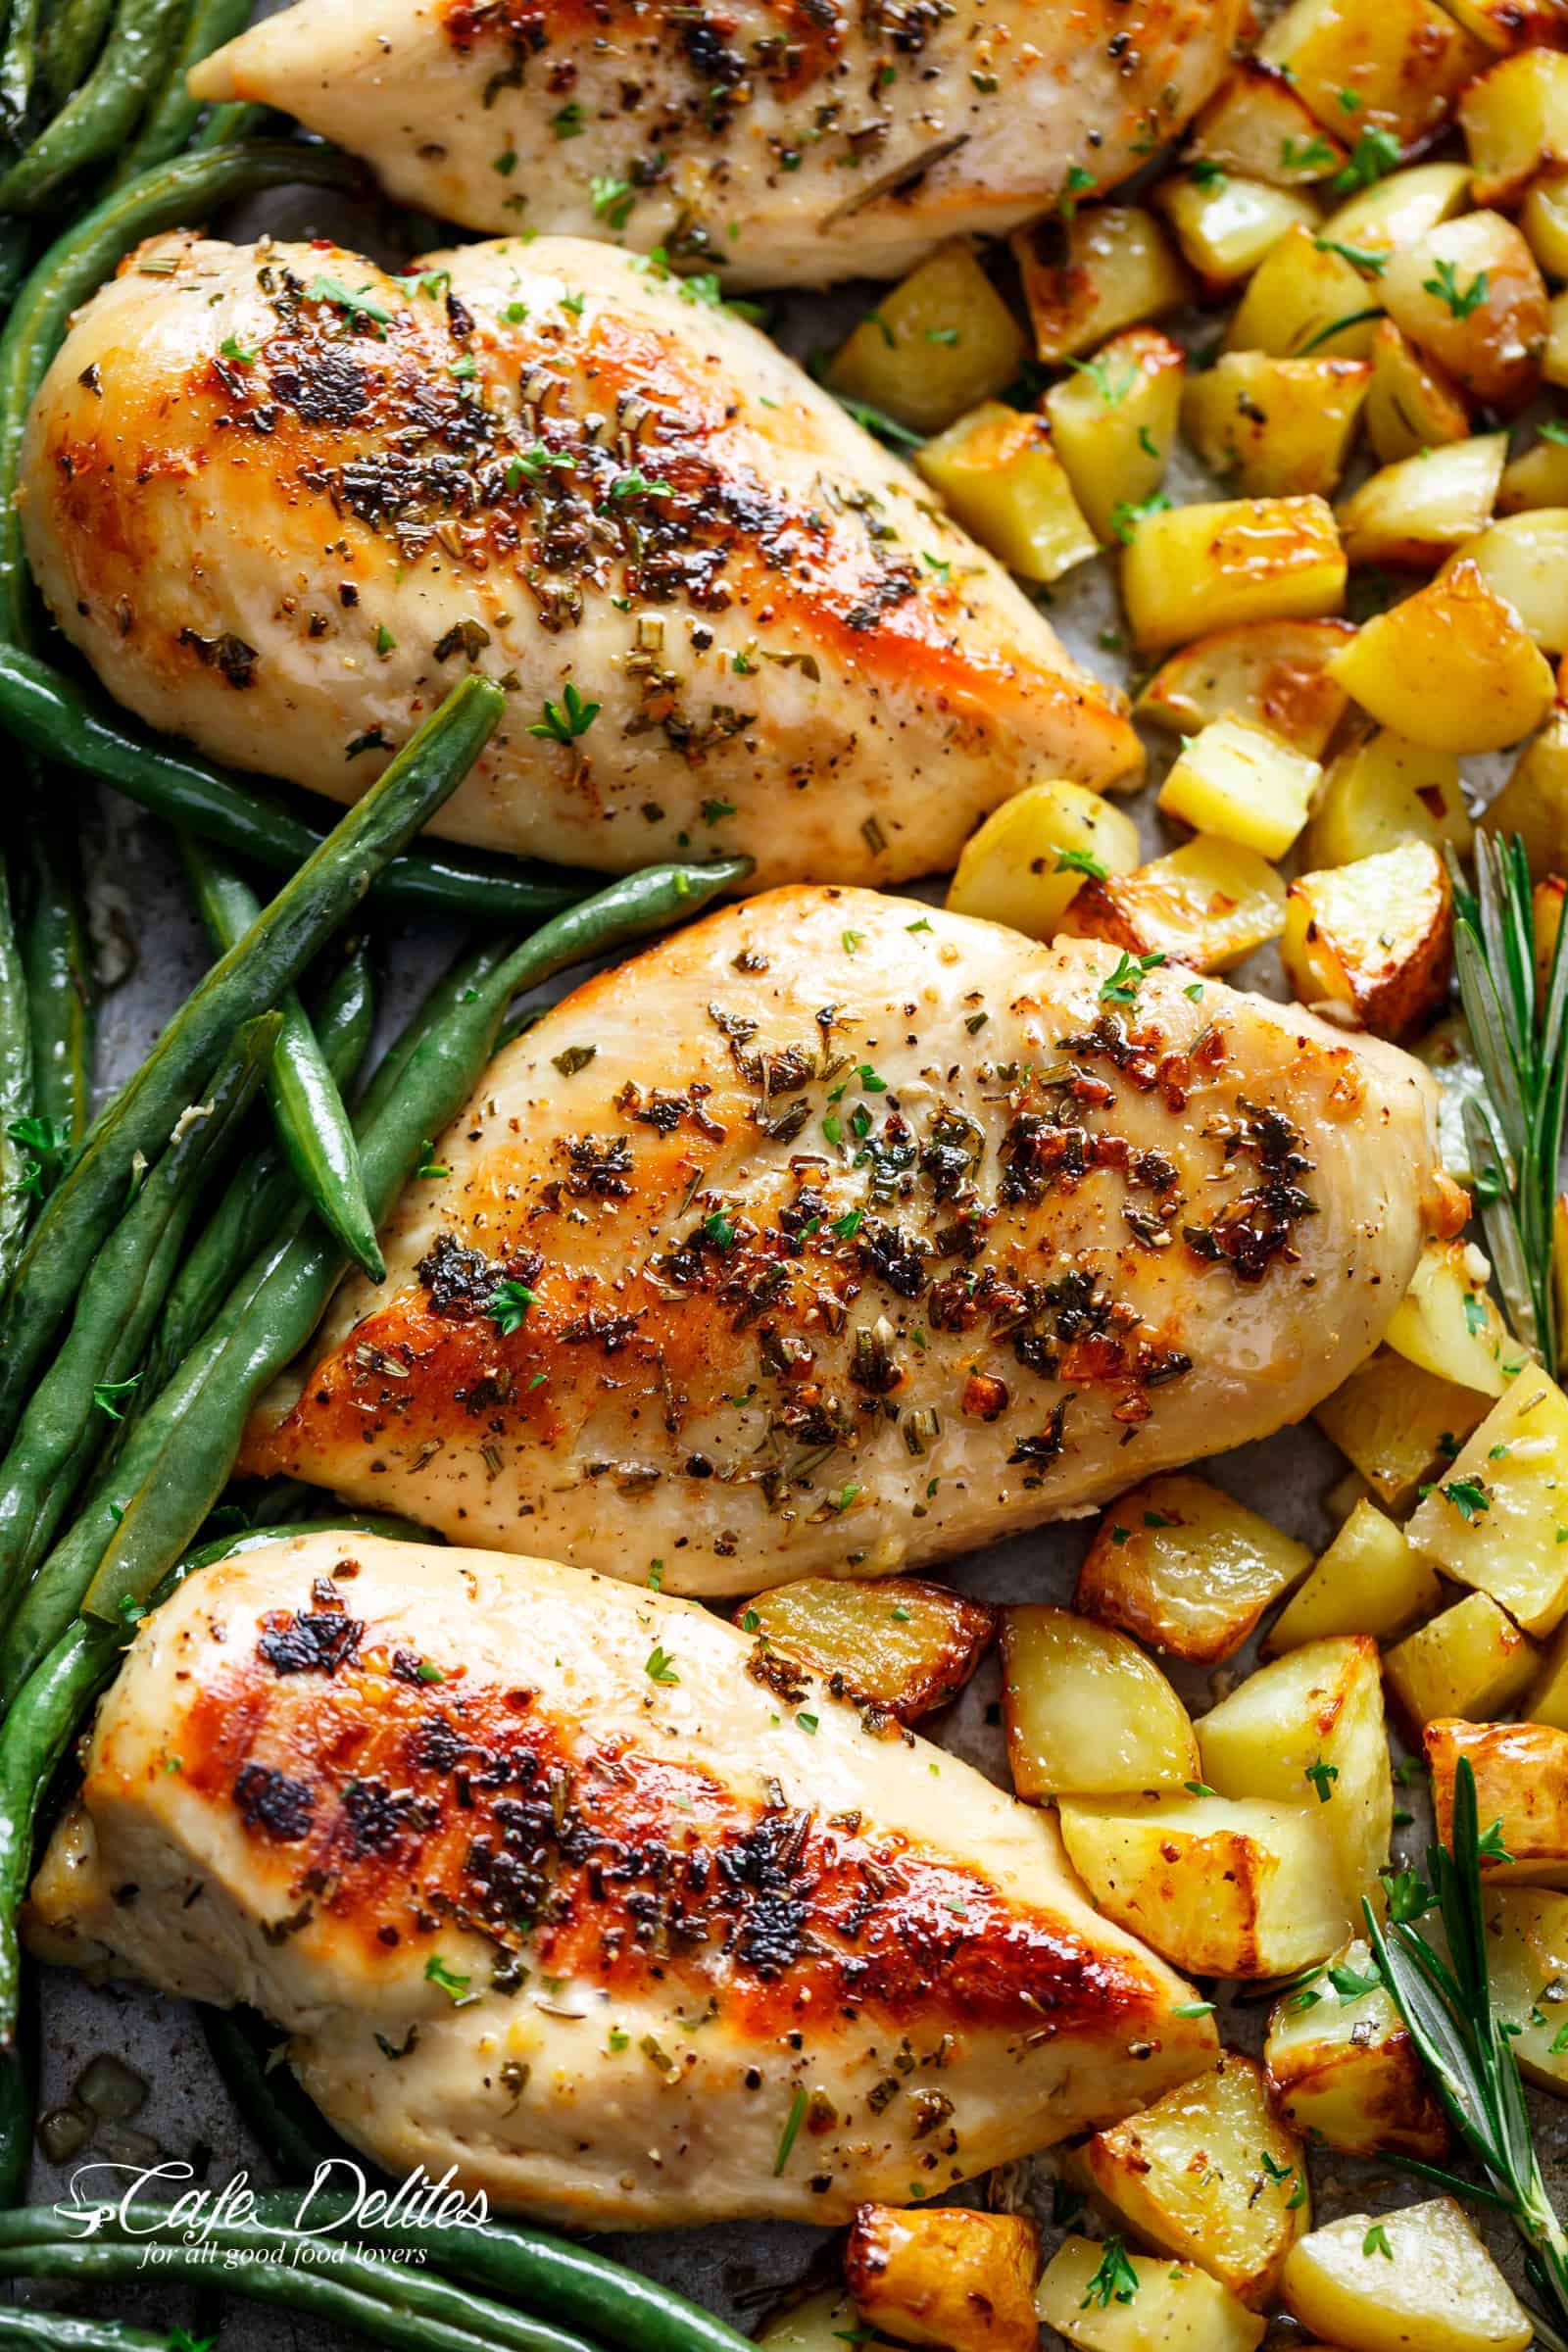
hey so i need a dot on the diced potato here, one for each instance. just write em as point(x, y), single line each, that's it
point(1448, 1054)
point(1424, 508)
point(1342, 2066)
point(1471, 1660)
point(901, 1644)
point(1241, 782)
point(1447, 1321)
point(1521, 1773)
point(1498, 1521)
point(1393, 1420)
point(1546, 1699)
point(998, 474)
point(949, 2277)
point(1305, 301)
point(1401, 207)
point(1225, 226)
point(1515, 123)
point(1527, 1962)
point(1257, 126)
point(1452, 667)
point(1271, 673)
point(1183, 1567)
point(1279, 427)
point(934, 346)
point(1404, 61)
point(1369, 1581)
point(1391, 2283)
point(1471, 295)
point(1374, 940)
point(1207, 904)
point(1208, 2174)
point(1212, 566)
point(1111, 265)
point(1383, 790)
point(1524, 558)
point(1534, 802)
point(1087, 1713)
point(1113, 421)
point(1170, 2307)
point(1543, 219)
point(1510, 24)
point(1309, 1727)
point(1223, 1886)
point(1537, 478)
point(1032, 855)
point(821, 2323)
point(1410, 405)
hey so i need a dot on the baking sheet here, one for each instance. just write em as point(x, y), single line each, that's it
point(152, 951)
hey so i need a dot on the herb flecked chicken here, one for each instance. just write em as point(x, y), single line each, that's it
point(281, 501)
point(545, 1885)
point(787, 143)
point(834, 1236)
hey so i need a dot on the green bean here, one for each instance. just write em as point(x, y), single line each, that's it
point(19, 2093)
point(31, 2330)
point(70, 45)
point(15, 254)
point(300, 919)
point(76, 265)
point(16, 1092)
point(175, 114)
point(58, 719)
point(59, 968)
point(18, 64)
point(115, 1310)
point(238, 119)
point(308, 1113)
point(104, 112)
point(290, 2127)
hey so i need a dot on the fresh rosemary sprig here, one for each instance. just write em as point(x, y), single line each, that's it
point(1445, 2002)
point(1514, 1129)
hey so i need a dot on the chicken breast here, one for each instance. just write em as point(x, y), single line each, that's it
point(562, 1883)
point(836, 1235)
point(785, 144)
point(281, 501)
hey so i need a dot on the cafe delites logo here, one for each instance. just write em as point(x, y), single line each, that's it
point(166, 2208)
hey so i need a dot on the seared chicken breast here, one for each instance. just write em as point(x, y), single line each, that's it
point(566, 1885)
point(784, 144)
point(281, 501)
point(836, 1235)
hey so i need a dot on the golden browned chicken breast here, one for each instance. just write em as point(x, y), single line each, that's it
point(281, 501)
point(788, 143)
point(545, 1885)
point(835, 1235)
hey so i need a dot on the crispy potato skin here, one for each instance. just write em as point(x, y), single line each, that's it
point(1521, 1772)
point(898, 1648)
point(959, 2280)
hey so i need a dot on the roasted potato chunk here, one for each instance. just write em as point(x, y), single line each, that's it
point(1225, 226)
point(1424, 508)
point(997, 470)
point(1185, 1568)
point(1309, 1727)
point(1452, 667)
point(820, 2322)
point(1447, 1324)
point(1256, 127)
point(1383, 790)
point(1497, 1520)
point(1394, 1421)
point(1515, 123)
point(1031, 856)
point(1537, 478)
point(949, 2277)
point(1305, 301)
point(1279, 428)
point(1546, 1699)
point(1343, 2069)
point(1471, 295)
point(935, 345)
point(1543, 218)
point(1534, 802)
point(1524, 558)
point(1394, 68)
point(1527, 1962)
point(1111, 265)
point(1471, 1660)
point(1410, 405)
point(1395, 211)
point(1374, 940)
point(1521, 1772)
point(1206, 905)
point(1223, 1886)
point(1369, 1581)
point(1270, 673)
point(1086, 1714)
point(1212, 566)
point(1418, 2277)
point(1208, 2174)
point(1159, 2306)
point(1113, 421)
point(901, 1644)
point(1241, 782)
